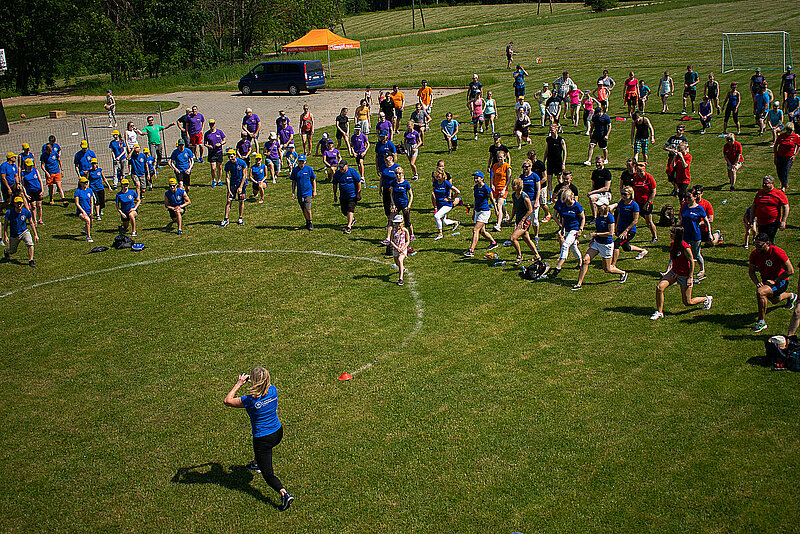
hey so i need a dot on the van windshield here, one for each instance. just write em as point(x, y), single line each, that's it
point(314, 67)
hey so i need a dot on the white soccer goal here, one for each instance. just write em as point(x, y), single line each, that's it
point(746, 51)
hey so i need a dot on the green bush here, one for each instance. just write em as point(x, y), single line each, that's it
point(600, 5)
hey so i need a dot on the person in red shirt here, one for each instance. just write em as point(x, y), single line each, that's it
point(732, 152)
point(770, 209)
point(644, 193)
point(681, 162)
point(775, 268)
point(786, 147)
point(681, 271)
point(708, 239)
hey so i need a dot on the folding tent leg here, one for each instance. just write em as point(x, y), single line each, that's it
point(329, 63)
point(360, 57)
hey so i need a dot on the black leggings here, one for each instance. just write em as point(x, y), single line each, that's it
point(262, 447)
point(728, 112)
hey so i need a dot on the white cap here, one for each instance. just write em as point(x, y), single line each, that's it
point(602, 201)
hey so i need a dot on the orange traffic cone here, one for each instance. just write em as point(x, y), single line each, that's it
point(345, 376)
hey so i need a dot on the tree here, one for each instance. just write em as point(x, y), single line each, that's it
point(600, 5)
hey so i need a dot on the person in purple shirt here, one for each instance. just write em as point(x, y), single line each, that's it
point(214, 141)
point(251, 124)
point(243, 150)
point(272, 153)
point(194, 127)
point(384, 125)
point(359, 144)
point(330, 158)
point(412, 140)
point(282, 120)
point(286, 138)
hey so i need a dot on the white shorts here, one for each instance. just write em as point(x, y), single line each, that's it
point(604, 250)
point(596, 196)
point(482, 216)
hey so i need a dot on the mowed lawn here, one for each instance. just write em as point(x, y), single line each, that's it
point(516, 406)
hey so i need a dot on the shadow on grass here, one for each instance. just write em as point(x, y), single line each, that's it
point(238, 478)
point(734, 321)
point(726, 261)
point(383, 277)
point(70, 237)
point(643, 311)
point(760, 361)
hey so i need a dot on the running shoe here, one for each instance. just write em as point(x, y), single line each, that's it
point(792, 301)
point(623, 278)
point(253, 466)
point(467, 254)
point(547, 218)
point(656, 315)
point(438, 237)
point(213, 184)
point(89, 240)
point(224, 223)
point(587, 162)
point(347, 230)
point(707, 303)
point(492, 246)
point(654, 241)
point(455, 225)
point(98, 218)
point(133, 234)
point(286, 502)
point(576, 287)
point(260, 200)
point(759, 326)
point(413, 238)
point(399, 282)
point(31, 263)
point(180, 231)
point(700, 277)
point(385, 242)
point(240, 222)
point(498, 228)
point(642, 254)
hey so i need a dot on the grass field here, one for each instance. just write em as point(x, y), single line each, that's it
point(515, 406)
point(14, 113)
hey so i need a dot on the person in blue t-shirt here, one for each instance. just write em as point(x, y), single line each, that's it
point(258, 172)
point(97, 180)
point(304, 188)
point(84, 205)
point(119, 158)
point(9, 175)
point(387, 175)
point(235, 179)
point(401, 197)
point(571, 219)
point(383, 147)
point(443, 196)
point(347, 183)
point(602, 244)
point(627, 217)
point(691, 216)
point(50, 163)
point(15, 229)
point(82, 159)
point(519, 81)
point(127, 202)
point(152, 168)
point(139, 170)
point(181, 161)
point(482, 210)
point(176, 201)
point(33, 187)
point(449, 128)
point(261, 403)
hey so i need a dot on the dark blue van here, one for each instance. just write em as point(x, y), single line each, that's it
point(292, 76)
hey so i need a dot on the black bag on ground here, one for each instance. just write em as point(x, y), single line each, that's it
point(787, 358)
point(535, 270)
point(667, 217)
point(122, 241)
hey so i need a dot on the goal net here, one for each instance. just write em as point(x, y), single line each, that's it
point(746, 51)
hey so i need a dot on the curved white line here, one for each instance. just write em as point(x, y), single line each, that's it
point(412, 285)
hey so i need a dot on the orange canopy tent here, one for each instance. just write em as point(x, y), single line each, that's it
point(318, 40)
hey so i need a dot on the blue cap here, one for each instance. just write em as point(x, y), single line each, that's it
point(477, 173)
point(301, 157)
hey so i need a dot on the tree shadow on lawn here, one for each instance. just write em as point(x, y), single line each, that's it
point(733, 321)
point(238, 478)
point(726, 261)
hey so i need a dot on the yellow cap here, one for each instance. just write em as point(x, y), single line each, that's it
point(173, 181)
point(25, 145)
point(124, 181)
point(136, 146)
point(84, 144)
point(259, 156)
point(93, 160)
point(231, 152)
point(18, 199)
point(84, 180)
point(10, 155)
point(211, 121)
point(115, 132)
point(146, 150)
point(28, 161)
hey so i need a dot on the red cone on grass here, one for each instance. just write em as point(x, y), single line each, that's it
point(345, 376)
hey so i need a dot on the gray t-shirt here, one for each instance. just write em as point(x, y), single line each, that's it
point(419, 117)
point(520, 209)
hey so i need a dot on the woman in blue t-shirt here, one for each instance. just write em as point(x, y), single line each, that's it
point(261, 403)
point(602, 244)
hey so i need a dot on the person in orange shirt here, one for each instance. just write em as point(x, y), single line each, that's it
point(399, 101)
point(501, 178)
point(425, 95)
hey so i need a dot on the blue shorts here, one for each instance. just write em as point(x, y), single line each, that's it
point(780, 288)
point(519, 91)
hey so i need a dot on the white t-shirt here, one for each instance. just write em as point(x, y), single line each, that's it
point(131, 139)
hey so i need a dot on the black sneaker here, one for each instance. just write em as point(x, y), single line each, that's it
point(286, 502)
point(623, 277)
point(6, 255)
point(310, 226)
point(253, 466)
point(492, 246)
point(31, 263)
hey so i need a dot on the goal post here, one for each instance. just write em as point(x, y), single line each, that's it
point(746, 51)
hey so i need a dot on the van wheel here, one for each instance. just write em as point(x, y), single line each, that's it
point(246, 90)
point(312, 91)
point(294, 90)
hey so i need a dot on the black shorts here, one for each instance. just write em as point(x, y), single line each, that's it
point(184, 177)
point(359, 158)
point(174, 216)
point(36, 195)
point(518, 127)
point(731, 111)
point(646, 208)
point(398, 114)
point(691, 94)
point(7, 195)
point(624, 244)
point(347, 205)
point(101, 198)
point(554, 166)
point(215, 158)
point(601, 141)
point(233, 194)
point(339, 135)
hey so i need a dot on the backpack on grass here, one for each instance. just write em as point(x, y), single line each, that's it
point(535, 270)
point(781, 358)
point(122, 241)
